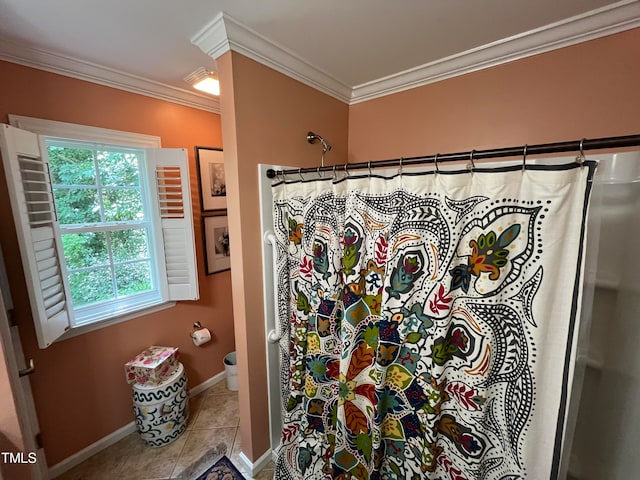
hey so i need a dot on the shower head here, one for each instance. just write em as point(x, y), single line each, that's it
point(312, 138)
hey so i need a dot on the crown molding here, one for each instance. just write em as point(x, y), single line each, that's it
point(608, 20)
point(91, 72)
point(225, 33)
point(212, 39)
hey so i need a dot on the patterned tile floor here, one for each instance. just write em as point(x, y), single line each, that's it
point(214, 419)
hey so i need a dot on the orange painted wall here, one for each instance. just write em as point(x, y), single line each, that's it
point(265, 119)
point(79, 386)
point(586, 90)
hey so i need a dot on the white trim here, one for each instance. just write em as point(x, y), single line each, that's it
point(207, 384)
point(253, 468)
point(96, 447)
point(89, 451)
point(607, 20)
point(212, 39)
point(73, 131)
point(98, 324)
point(102, 75)
point(226, 33)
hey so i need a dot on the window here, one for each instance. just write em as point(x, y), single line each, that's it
point(120, 237)
point(105, 226)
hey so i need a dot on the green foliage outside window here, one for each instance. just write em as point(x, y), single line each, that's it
point(93, 187)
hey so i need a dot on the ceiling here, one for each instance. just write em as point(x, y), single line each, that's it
point(351, 42)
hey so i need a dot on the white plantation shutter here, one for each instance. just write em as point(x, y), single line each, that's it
point(29, 187)
point(168, 169)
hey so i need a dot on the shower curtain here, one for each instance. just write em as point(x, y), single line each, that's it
point(429, 322)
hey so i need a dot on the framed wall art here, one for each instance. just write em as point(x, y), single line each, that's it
point(213, 186)
point(217, 251)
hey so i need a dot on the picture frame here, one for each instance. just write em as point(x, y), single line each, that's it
point(211, 178)
point(217, 252)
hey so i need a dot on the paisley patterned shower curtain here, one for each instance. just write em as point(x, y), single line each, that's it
point(429, 322)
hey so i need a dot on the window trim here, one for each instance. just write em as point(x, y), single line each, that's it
point(64, 130)
point(97, 325)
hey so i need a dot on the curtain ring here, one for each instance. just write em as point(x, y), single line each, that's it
point(473, 164)
point(580, 157)
point(369, 167)
point(346, 172)
point(524, 157)
point(334, 173)
point(435, 160)
point(318, 172)
point(300, 174)
point(400, 169)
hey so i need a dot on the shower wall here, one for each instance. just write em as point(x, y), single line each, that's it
point(607, 430)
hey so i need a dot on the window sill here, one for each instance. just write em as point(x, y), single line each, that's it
point(90, 327)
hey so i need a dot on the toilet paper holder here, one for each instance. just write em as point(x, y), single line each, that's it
point(200, 335)
point(196, 326)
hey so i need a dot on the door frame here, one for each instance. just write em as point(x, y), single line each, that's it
point(20, 387)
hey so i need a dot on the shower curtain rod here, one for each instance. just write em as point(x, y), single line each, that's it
point(524, 150)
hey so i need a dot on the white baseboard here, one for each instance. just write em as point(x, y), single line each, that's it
point(207, 384)
point(253, 468)
point(89, 451)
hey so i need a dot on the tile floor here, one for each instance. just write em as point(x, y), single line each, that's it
point(213, 419)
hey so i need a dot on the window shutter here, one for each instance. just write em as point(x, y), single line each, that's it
point(29, 186)
point(169, 171)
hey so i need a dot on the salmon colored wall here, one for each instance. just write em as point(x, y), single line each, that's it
point(265, 119)
point(79, 387)
point(586, 90)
